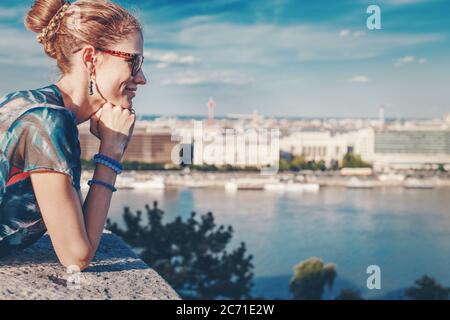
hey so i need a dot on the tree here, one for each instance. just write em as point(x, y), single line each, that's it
point(349, 294)
point(310, 278)
point(321, 165)
point(297, 163)
point(426, 288)
point(352, 160)
point(284, 165)
point(191, 255)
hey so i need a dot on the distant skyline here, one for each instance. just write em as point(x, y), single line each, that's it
point(286, 58)
point(143, 116)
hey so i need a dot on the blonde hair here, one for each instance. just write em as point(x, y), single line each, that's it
point(64, 28)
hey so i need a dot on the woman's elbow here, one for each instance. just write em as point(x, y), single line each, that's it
point(77, 259)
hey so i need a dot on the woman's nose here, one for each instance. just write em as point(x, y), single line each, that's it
point(140, 78)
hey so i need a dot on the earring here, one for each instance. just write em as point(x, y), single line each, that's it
point(91, 87)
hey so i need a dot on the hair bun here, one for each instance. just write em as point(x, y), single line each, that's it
point(43, 18)
point(41, 13)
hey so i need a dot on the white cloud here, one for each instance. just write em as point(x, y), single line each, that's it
point(344, 32)
point(409, 60)
point(347, 32)
point(360, 79)
point(206, 78)
point(170, 58)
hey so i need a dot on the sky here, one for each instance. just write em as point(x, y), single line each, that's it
point(300, 58)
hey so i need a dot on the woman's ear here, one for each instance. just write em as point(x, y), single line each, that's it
point(89, 58)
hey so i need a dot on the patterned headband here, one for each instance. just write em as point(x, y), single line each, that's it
point(53, 24)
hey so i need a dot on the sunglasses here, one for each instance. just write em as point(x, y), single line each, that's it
point(135, 59)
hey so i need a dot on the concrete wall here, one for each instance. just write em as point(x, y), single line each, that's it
point(115, 273)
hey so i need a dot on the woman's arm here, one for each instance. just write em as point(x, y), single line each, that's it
point(75, 229)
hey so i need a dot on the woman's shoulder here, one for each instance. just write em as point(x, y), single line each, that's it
point(45, 95)
point(43, 104)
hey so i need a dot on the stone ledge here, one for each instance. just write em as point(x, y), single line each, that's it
point(115, 273)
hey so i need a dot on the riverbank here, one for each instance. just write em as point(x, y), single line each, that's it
point(302, 181)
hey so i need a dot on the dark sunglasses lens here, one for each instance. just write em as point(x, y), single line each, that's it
point(137, 64)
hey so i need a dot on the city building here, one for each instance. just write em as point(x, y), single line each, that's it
point(329, 146)
point(411, 149)
point(151, 145)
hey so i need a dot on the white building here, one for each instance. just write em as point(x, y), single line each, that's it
point(424, 145)
point(413, 148)
point(328, 146)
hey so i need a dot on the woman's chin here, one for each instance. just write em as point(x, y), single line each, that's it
point(124, 102)
point(128, 103)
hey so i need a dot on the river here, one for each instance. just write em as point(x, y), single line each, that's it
point(406, 232)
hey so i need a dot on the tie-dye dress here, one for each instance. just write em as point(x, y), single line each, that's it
point(37, 133)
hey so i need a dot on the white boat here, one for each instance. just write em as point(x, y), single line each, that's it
point(303, 187)
point(231, 186)
point(355, 183)
point(154, 183)
point(247, 184)
point(275, 186)
point(292, 187)
point(391, 177)
point(124, 182)
point(413, 183)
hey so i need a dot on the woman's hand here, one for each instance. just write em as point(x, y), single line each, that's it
point(115, 127)
point(94, 122)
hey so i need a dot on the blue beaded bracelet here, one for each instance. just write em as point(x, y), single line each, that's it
point(109, 162)
point(102, 156)
point(109, 186)
point(109, 165)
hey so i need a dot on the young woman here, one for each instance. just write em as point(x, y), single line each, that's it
point(98, 47)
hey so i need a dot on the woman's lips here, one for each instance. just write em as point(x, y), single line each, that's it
point(131, 91)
